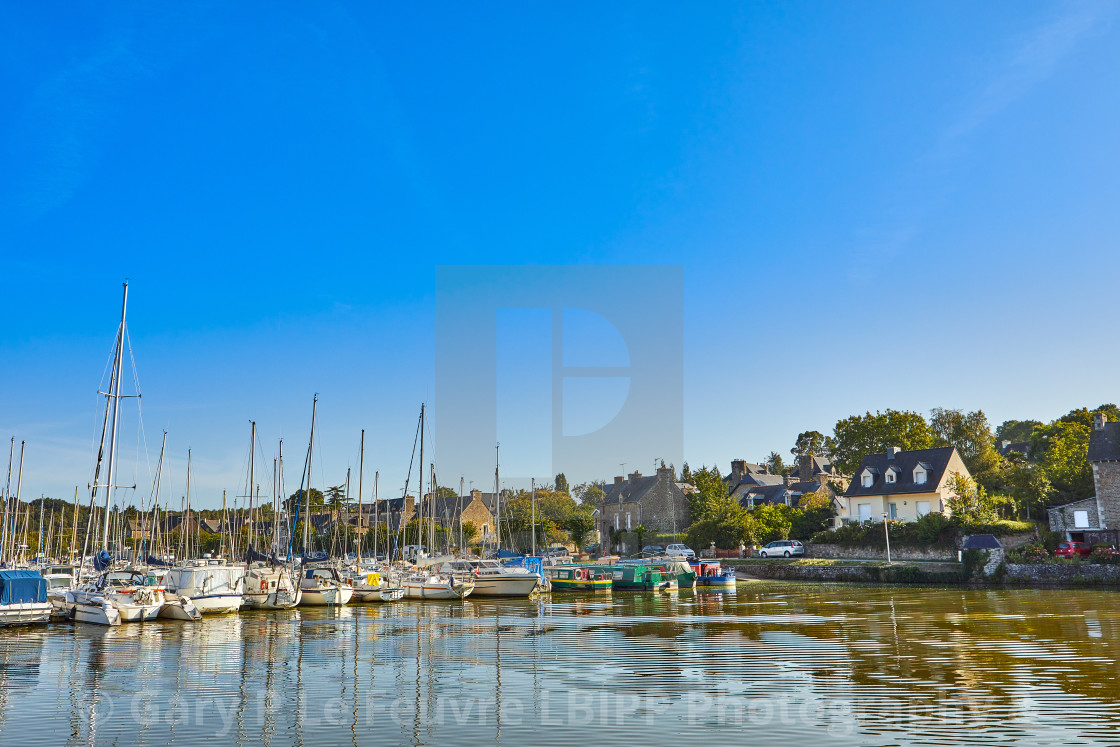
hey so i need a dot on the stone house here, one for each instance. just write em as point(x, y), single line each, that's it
point(1095, 520)
point(903, 485)
point(655, 502)
point(473, 509)
point(746, 475)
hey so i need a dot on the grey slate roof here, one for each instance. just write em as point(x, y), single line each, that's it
point(1020, 446)
point(1104, 445)
point(904, 461)
point(631, 491)
point(820, 465)
point(982, 542)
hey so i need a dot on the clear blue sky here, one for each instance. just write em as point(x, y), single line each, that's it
point(875, 205)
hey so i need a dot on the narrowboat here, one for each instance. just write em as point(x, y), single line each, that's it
point(578, 578)
point(637, 576)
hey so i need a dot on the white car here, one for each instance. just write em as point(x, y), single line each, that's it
point(680, 551)
point(781, 548)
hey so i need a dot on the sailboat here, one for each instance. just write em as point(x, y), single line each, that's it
point(426, 582)
point(322, 583)
point(213, 585)
point(371, 581)
point(112, 598)
point(270, 585)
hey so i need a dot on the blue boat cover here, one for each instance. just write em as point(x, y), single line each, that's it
point(21, 587)
point(530, 563)
point(102, 560)
point(503, 554)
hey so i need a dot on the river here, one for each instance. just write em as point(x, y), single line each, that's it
point(774, 663)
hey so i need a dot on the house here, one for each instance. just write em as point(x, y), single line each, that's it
point(746, 475)
point(787, 494)
point(810, 468)
point(473, 509)
point(902, 485)
point(655, 502)
point(1095, 520)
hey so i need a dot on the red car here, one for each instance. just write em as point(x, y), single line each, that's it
point(1069, 549)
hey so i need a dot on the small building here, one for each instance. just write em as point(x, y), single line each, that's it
point(1095, 520)
point(470, 509)
point(902, 485)
point(655, 502)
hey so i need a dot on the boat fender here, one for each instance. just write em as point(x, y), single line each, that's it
point(264, 584)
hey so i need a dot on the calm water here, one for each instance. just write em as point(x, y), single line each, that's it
point(772, 663)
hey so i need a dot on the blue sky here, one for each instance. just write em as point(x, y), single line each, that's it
point(874, 205)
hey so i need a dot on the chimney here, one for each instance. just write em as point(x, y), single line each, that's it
point(764, 469)
point(635, 475)
point(476, 493)
point(738, 469)
point(805, 467)
point(891, 451)
point(664, 474)
point(618, 480)
point(1099, 419)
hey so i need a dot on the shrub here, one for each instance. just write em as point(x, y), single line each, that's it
point(1104, 554)
point(1033, 553)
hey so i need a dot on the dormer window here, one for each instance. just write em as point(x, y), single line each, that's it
point(891, 475)
point(919, 476)
point(867, 479)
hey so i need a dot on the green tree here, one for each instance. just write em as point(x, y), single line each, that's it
point(336, 496)
point(1029, 485)
point(470, 531)
point(579, 525)
point(710, 494)
point(773, 521)
point(589, 493)
point(445, 492)
point(813, 443)
point(777, 466)
point(860, 435)
point(970, 503)
point(640, 532)
point(972, 437)
point(1015, 430)
point(561, 483)
point(314, 495)
point(686, 473)
point(1062, 450)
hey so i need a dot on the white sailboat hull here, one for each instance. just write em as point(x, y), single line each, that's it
point(214, 589)
point(326, 596)
point(436, 588)
point(519, 585)
point(90, 608)
point(179, 609)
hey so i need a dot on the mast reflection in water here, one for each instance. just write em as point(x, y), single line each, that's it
point(832, 664)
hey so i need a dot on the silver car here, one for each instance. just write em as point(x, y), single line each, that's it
point(781, 548)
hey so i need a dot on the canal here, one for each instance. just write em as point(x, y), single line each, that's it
point(773, 663)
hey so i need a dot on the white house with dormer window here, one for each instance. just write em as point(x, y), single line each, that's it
point(902, 485)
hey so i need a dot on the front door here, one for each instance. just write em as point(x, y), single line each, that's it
point(864, 512)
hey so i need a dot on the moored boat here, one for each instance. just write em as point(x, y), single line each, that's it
point(214, 587)
point(374, 585)
point(578, 578)
point(23, 598)
point(323, 586)
point(491, 579)
point(638, 576)
point(711, 574)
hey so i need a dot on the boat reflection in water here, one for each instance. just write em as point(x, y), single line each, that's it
point(842, 665)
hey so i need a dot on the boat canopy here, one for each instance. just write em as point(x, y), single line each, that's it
point(22, 587)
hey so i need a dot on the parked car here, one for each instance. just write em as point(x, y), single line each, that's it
point(557, 551)
point(652, 551)
point(592, 549)
point(680, 551)
point(1069, 549)
point(782, 548)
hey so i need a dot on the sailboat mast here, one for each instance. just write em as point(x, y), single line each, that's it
point(497, 497)
point(533, 510)
point(310, 452)
point(252, 478)
point(187, 525)
point(74, 535)
point(361, 469)
point(19, 490)
point(115, 400)
point(7, 501)
point(420, 489)
point(376, 519)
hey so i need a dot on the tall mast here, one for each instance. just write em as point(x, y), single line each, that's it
point(74, 535)
point(252, 477)
point(420, 489)
point(145, 533)
point(533, 510)
point(275, 502)
point(310, 451)
point(19, 490)
point(7, 501)
point(361, 469)
point(115, 400)
point(187, 524)
point(497, 497)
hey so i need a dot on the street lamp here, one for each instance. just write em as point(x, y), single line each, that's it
point(887, 532)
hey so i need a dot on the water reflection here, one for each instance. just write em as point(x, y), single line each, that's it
point(840, 664)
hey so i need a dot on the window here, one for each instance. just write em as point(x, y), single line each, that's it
point(627, 521)
point(890, 477)
point(892, 510)
point(867, 479)
point(1081, 519)
point(923, 508)
point(864, 512)
point(919, 476)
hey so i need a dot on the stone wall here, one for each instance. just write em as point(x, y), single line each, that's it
point(877, 553)
point(1078, 574)
point(928, 573)
point(1106, 478)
